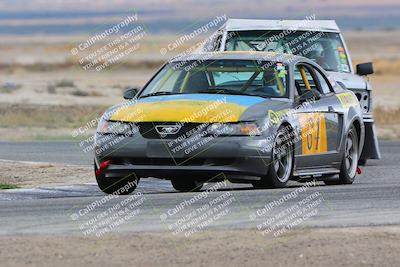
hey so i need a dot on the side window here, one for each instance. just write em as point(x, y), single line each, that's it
point(304, 80)
point(325, 88)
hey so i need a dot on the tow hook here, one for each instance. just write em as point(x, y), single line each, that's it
point(102, 167)
point(359, 171)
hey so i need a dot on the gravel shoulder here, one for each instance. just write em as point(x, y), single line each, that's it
point(32, 174)
point(369, 246)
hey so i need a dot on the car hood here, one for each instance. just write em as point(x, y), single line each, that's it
point(351, 81)
point(196, 108)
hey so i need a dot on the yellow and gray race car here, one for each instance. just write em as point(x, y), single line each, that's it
point(259, 118)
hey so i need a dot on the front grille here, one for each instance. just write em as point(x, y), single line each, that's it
point(363, 98)
point(155, 130)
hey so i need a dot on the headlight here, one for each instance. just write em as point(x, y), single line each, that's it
point(114, 127)
point(236, 129)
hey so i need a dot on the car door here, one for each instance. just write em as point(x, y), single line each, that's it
point(319, 122)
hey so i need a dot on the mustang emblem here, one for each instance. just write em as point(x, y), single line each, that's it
point(164, 130)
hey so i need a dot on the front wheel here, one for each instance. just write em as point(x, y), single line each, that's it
point(117, 185)
point(280, 168)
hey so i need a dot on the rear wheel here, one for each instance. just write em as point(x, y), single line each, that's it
point(349, 165)
point(117, 185)
point(186, 185)
point(280, 168)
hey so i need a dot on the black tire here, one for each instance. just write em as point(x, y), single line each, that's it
point(186, 185)
point(281, 166)
point(348, 169)
point(117, 185)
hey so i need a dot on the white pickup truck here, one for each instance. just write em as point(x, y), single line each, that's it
point(319, 40)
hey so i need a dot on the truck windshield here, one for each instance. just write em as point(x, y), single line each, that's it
point(325, 48)
point(235, 77)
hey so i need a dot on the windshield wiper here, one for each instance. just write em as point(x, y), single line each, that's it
point(159, 93)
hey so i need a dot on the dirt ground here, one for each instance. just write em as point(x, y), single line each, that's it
point(369, 246)
point(25, 174)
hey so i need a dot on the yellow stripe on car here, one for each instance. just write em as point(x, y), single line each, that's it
point(181, 111)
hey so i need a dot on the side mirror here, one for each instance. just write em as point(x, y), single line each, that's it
point(310, 95)
point(365, 69)
point(130, 93)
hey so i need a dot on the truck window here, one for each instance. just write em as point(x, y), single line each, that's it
point(325, 48)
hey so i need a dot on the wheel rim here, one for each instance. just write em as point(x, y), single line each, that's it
point(282, 158)
point(351, 154)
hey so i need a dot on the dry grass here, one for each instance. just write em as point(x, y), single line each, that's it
point(69, 64)
point(386, 117)
point(387, 123)
point(385, 66)
point(54, 77)
point(47, 116)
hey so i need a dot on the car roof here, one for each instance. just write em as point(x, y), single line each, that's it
point(299, 25)
point(241, 55)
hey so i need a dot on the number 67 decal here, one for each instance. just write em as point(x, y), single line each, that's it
point(313, 133)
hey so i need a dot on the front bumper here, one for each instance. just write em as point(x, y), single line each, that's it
point(228, 157)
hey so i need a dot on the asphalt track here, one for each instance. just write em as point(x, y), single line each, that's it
point(374, 199)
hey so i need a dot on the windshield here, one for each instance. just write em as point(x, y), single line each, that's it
point(325, 48)
point(239, 77)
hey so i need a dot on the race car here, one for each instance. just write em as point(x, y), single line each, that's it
point(259, 118)
point(318, 40)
